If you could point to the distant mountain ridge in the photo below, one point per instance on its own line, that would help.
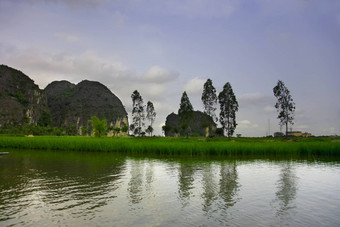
(73, 105)
(21, 101)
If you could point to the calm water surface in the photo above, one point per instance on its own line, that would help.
(104, 189)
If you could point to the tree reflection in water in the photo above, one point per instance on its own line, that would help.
(210, 186)
(135, 188)
(286, 192)
(228, 184)
(186, 173)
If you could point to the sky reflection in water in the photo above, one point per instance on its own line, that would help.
(75, 188)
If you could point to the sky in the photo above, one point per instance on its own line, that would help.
(162, 48)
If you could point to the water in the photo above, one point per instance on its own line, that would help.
(46, 188)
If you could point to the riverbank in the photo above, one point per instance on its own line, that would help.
(179, 146)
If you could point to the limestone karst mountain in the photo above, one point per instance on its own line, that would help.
(73, 105)
(21, 100)
(67, 104)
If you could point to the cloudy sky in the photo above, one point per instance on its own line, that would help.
(162, 48)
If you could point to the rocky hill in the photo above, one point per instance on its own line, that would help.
(21, 100)
(73, 105)
(198, 125)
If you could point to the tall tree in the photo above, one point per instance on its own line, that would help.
(209, 99)
(99, 127)
(228, 107)
(150, 115)
(138, 113)
(284, 105)
(185, 113)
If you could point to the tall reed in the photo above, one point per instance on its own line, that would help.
(177, 146)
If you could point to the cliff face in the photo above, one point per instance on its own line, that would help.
(198, 125)
(21, 101)
(73, 105)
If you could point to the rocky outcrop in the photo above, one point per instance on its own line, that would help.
(199, 124)
(73, 105)
(21, 100)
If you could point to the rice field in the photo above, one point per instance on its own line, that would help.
(179, 146)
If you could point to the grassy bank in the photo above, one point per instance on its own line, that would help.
(179, 146)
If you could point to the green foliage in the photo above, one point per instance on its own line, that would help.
(138, 113)
(185, 105)
(166, 129)
(45, 119)
(85, 131)
(116, 131)
(228, 107)
(284, 105)
(71, 130)
(20, 97)
(125, 128)
(150, 115)
(149, 130)
(185, 114)
(209, 99)
(180, 146)
(99, 127)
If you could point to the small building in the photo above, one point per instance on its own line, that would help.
(295, 133)
(306, 134)
(278, 134)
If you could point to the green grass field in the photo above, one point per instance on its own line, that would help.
(180, 146)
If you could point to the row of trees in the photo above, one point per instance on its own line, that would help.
(228, 107)
(138, 115)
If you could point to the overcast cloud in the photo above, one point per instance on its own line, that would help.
(162, 48)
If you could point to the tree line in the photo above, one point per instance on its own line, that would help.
(228, 106)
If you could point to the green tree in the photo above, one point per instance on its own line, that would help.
(166, 129)
(149, 130)
(99, 127)
(85, 130)
(138, 113)
(209, 99)
(45, 119)
(125, 128)
(150, 115)
(228, 107)
(185, 114)
(117, 131)
(284, 105)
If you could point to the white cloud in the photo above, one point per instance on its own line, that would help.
(246, 124)
(157, 74)
(194, 86)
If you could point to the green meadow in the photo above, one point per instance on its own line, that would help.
(329, 146)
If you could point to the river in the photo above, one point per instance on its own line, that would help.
(59, 188)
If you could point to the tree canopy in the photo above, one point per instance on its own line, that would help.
(185, 113)
(228, 107)
(209, 99)
(138, 113)
(99, 127)
(284, 105)
(150, 115)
